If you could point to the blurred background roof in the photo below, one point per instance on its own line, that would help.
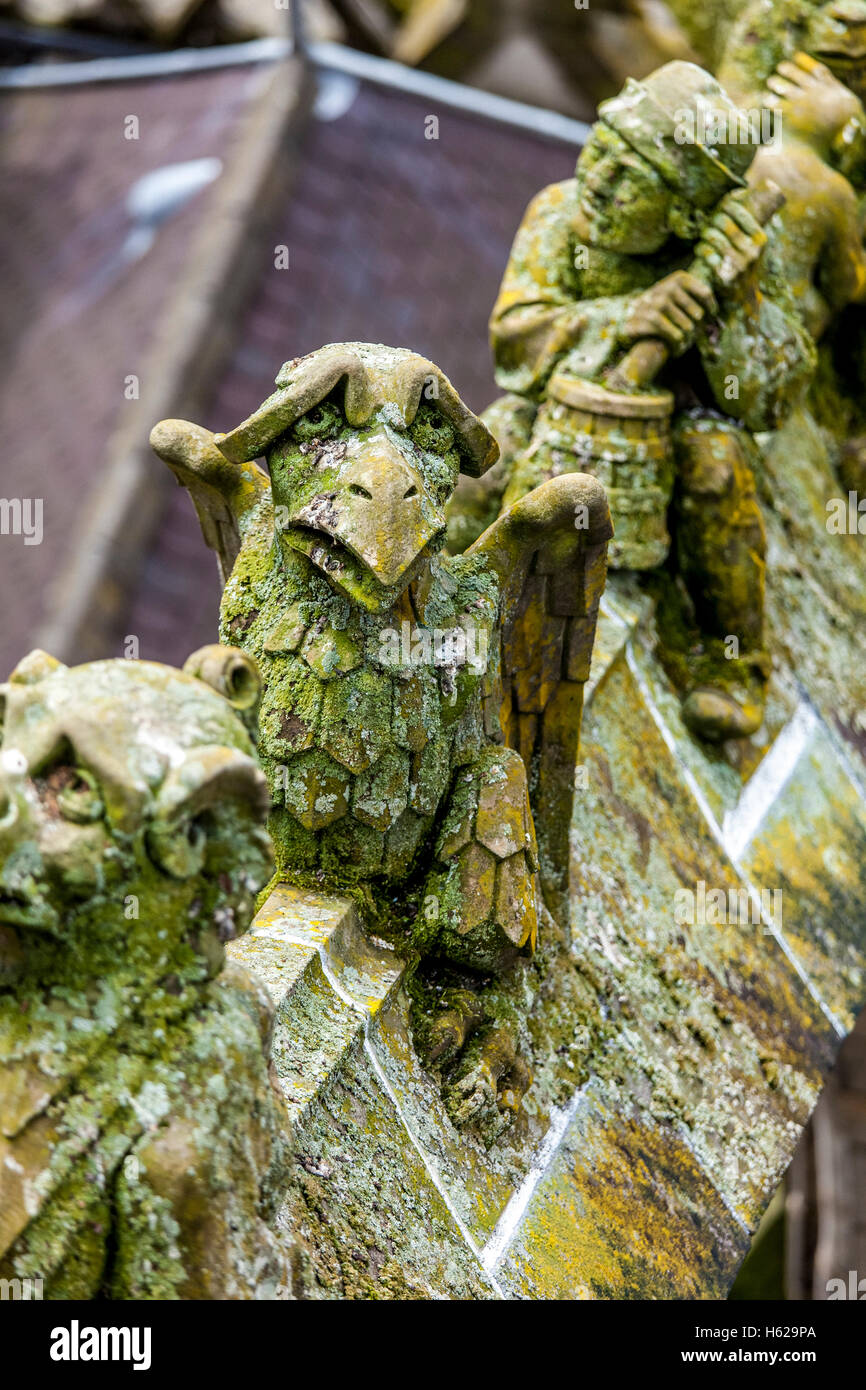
(561, 54)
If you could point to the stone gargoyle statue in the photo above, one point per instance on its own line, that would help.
(421, 714)
(646, 333)
(804, 63)
(143, 1143)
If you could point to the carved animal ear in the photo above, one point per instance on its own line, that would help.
(34, 668)
(208, 777)
(375, 376)
(230, 672)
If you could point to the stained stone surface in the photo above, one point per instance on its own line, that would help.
(675, 1064)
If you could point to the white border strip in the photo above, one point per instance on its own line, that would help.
(430, 1165)
(138, 65)
(774, 772)
(547, 1151)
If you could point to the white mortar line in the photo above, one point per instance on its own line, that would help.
(508, 1222)
(671, 745)
(843, 753)
(741, 824)
(427, 1160)
(610, 609)
(429, 1163)
(685, 1136)
(770, 928)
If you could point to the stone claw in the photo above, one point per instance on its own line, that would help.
(514, 1087)
(474, 1098)
(489, 1093)
(451, 1028)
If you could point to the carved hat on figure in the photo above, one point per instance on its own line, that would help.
(681, 120)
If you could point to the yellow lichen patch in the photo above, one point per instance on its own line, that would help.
(625, 1212)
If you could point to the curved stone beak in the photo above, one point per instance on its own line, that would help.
(382, 511)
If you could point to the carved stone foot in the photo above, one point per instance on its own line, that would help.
(490, 1085)
(716, 715)
(451, 1029)
(731, 706)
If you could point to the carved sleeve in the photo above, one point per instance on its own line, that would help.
(540, 314)
(757, 354)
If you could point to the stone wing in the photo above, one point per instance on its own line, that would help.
(222, 492)
(550, 551)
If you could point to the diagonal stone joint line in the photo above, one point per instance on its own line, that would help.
(733, 837)
(759, 795)
(508, 1223)
(685, 1135)
(770, 928)
(427, 1159)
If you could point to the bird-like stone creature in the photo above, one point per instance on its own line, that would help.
(421, 714)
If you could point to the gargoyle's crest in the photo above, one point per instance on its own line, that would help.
(377, 378)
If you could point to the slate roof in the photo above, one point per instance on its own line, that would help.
(392, 238)
(77, 317)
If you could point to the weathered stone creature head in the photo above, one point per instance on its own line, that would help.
(744, 40)
(836, 33)
(131, 810)
(662, 153)
(143, 1143)
(364, 445)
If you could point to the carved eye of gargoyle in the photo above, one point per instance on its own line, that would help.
(178, 849)
(76, 792)
(322, 422)
(209, 778)
(67, 789)
(432, 432)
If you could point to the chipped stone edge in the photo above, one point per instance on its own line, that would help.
(316, 941)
